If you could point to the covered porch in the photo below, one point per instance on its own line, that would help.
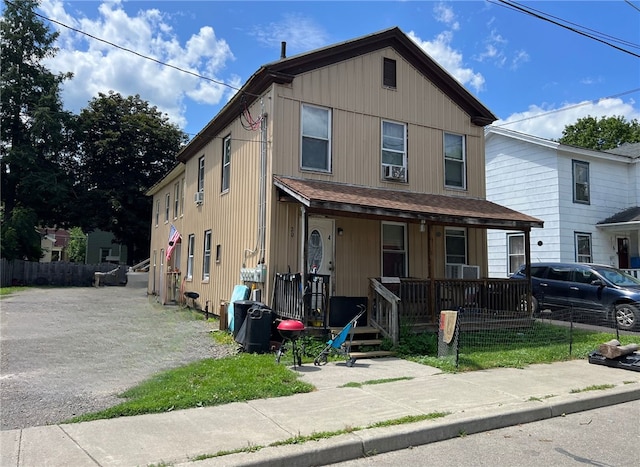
(433, 281)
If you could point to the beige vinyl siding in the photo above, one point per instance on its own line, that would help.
(353, 91)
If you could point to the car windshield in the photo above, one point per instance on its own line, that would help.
(618, 277)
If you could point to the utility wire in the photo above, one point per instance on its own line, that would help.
(632, 5)
(569, 107)
(532, 12)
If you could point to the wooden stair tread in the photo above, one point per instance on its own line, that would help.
(366, 342)
(375, 353)
(358, 330)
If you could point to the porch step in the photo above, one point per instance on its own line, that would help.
(372, 354)
(369, 342)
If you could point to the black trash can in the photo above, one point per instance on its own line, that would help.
(258, 329)
(240, 310)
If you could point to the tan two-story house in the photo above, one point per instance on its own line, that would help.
(341, 172)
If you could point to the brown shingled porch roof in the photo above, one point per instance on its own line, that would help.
(343, 199)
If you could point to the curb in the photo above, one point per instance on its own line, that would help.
(379, 440)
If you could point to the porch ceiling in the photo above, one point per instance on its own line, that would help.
(346, 199)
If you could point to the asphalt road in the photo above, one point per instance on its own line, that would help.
(70, 351)
(605, 437)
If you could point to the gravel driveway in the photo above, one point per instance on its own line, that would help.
(70, 351)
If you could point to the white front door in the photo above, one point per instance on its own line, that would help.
(320, 247)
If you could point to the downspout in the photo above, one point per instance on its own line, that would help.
(262, 221)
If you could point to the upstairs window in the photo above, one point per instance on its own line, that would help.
(454, 161)
(226, 162)
(157, 212)
(316, 138)
(581, 182)
(389, 73)
(167, 205)
(394, 151)
(176, 200)
(201, 174)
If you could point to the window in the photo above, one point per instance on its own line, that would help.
(190, 251)
(206, 257)
(583, 247)
(226, 162)
(515, 245)
(394, 154)
(157, 212)
(218, 253)
(176, 200)
(104, 254)
(455, 241)
(167, 205)
(394, 250)
(182, 197)
(580, 182)
(316, 138)
(454, 161)
(201, 174)
(389, 73)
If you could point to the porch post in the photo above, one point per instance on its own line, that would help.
(304, 217)
(527, 267)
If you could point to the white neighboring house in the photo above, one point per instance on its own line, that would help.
(589, 201)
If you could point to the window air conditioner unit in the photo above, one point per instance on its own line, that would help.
(462, 271)
(395, 172)
(198, 198)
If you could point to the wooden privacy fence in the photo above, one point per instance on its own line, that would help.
(58, 273)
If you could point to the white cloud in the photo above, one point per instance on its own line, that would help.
(451, 60)
(547, 121)
(101, 67)
(299, 32)
(445, 14)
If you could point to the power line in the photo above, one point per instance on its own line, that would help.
(569, 107)
(545, 17)
(632, 5)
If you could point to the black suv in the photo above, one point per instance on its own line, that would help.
(585, 287)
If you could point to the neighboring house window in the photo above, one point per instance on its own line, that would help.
(580, 182)
(394, 250)
(167, 205)
(226, 162)
(176, 200)
(394, 150)
(455, 241)
(316, 138)
(157, 212)
(182, 197)
(389, 73)
(206, 257)
(104, 253)
(583, 247)
(201, 174)
(515, 245)
(454, 161)
(190, 251)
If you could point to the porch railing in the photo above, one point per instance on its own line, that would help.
(418, 302)
(634, 272)
(304, 300)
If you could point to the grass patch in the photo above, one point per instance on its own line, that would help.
(206, 383)
(9, 290)
(595, 387)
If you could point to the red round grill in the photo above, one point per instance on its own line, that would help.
(290, 328)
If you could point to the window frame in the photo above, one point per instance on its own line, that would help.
(201, 173)
(403, 251)
(327, 168)
(461, 162)
(584, 235)
(191, 243)
(511, 255)
(389, 75)
(167, 207)
(575, 165)
(176, 201)
(392, 151)
(157, 212)
(206, 255)
(448, 234)
(182, 194)
(225, 179)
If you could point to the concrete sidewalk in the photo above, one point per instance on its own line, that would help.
(475, 402)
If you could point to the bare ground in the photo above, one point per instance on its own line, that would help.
(71, 351)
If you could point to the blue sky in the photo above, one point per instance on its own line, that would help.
(535, 76)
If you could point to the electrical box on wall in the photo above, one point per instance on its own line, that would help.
(257, 274)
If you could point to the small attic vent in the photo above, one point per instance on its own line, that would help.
(389, 73)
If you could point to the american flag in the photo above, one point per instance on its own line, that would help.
(174, 236)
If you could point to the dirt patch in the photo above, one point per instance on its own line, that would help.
(71, 351)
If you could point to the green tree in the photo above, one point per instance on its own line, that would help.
(125, 146)
(20, 239)
(603, 134)
(77, 247)
(34, 134)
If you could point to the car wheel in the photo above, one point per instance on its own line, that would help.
(626, 316)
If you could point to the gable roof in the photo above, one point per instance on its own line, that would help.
(331, 197)
(285, 70)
